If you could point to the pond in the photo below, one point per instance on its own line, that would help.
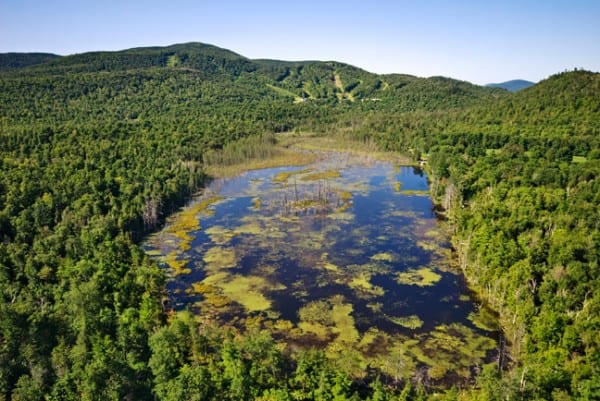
(346, 255)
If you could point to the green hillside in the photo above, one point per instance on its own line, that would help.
(98, 149)
(21, 60)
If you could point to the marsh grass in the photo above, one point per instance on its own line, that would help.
(283, 157)
(339, 142)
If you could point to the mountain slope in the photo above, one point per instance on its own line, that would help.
(294, 81)
(20, 60)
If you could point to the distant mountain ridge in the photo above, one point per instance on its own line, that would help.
(514, 85)
(21, 60)
(296, 81)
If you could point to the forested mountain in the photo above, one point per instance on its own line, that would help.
(514, 85)
(20, 60)
(98, 148)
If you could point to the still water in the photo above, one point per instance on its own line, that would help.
(345, 254)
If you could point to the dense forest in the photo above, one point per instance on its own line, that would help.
(97, 149)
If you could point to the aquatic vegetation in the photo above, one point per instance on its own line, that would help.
(344, 323)
(330, 266)
(284, 176)
(247, 291)
(186, 221)
(316, 312)
(252, 228)
(331, 316)
(321, 175)
(410, 322)
(397, 361)
(217, 258)
(219, 234)
(375, 306)
(428, 245)
(318, 329)
(414, 192)
(484, 319)
(464, 298)
(361, 283)
(178, 266)
(320, 256)
(153, 253)
(345, 196)
(384, 257)
(423, 276)
(343, 216)
(453, 348)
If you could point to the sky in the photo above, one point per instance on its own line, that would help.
(477, 41)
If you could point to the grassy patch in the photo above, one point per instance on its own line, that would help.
(283, 158)
(422, 277)
(285, 92)
(579, 159)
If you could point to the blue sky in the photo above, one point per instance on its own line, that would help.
(478, 41)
